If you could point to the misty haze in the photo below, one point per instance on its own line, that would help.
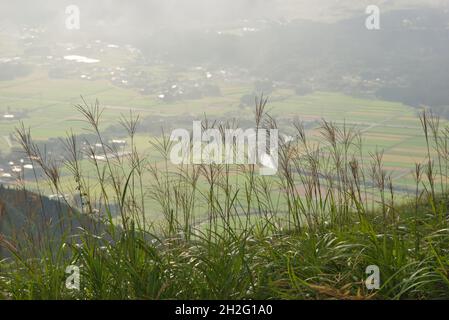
(219, 149)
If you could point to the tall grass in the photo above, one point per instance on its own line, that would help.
(224, 232)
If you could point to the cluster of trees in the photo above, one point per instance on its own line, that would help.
(407, 57)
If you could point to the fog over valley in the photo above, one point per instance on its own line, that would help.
(224, 149)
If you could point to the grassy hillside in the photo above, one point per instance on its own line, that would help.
(309, 232)
(31, 224)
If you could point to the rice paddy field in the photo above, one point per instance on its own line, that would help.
(49, 105)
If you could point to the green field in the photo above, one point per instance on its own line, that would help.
(50, 112)
(48, 105)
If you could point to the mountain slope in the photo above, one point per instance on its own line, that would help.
(27, 218)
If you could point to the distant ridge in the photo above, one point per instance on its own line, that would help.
(26, 217)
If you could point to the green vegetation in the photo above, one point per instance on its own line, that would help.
(224, 232)
(389, 126)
